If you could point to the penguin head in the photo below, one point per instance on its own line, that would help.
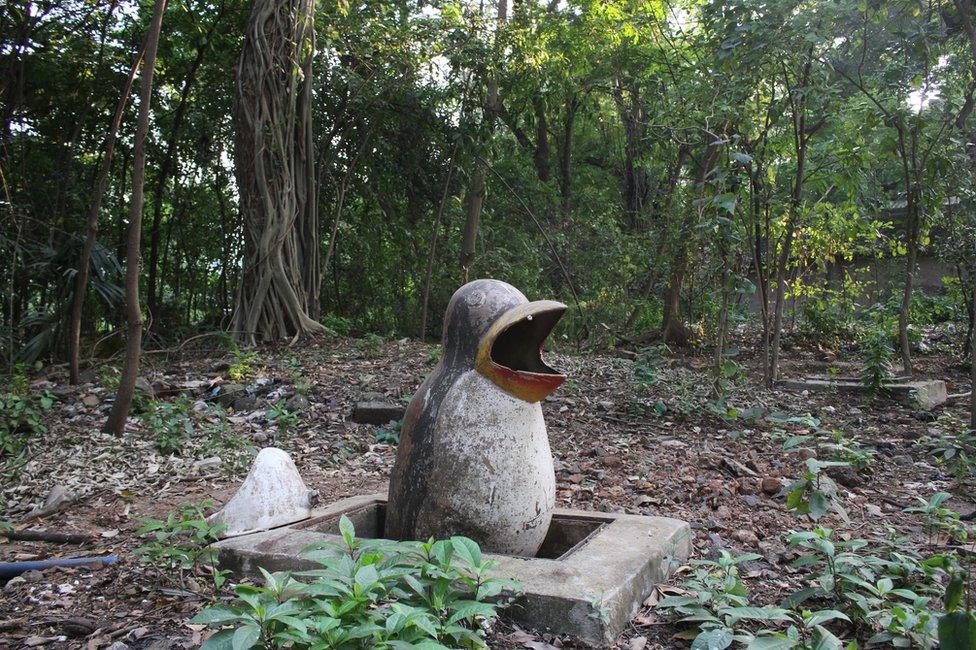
(492, 327)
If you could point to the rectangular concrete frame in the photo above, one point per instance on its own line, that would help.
(924, 394)
(591, 591)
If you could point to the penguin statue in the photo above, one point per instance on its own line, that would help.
(474, 457)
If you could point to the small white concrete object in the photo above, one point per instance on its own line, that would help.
(272, 495)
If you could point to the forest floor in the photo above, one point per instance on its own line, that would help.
(643, 435)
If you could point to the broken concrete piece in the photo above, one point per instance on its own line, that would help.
(376, 412)
(923, 394)
(273, 494)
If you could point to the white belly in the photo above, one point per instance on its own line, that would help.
(493, 475)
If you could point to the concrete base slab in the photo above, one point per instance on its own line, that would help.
(923, 394)
(590, 578)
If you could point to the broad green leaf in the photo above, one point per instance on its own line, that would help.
(245, 637)
(468, 550)
(717, 639)
(216, 615)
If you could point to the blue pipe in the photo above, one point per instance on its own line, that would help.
(10, 569)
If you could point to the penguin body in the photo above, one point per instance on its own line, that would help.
(474, 456)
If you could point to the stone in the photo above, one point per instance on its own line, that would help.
(118, 645)
(596, 571)
(297, 403)
(143, 385)
(225, 394)
(32, 576)
(205, 464)
(746, 537)
(376, 412)
(771, 485)
(747, 485)
(244, 403)
(611, 460)
(78, 626)
(804, 453)
(273, 494)
(845, 475)
(14, 583)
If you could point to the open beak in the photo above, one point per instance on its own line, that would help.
(510, 353)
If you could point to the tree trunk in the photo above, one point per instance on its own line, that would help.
(133, 345)
(911, 259)
(672, 327)
(476, 188)
(166, 168)
(432, 253)
(272, 122)
(566, 159)
(972, 360)
(91, 232)
(800, 139)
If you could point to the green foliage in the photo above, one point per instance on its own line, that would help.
(939, 519)
(878, 370)
(168, 424)
(367, 594)
(957, 451)
(890, 590)
(830, 318)
(389, 434)
(815, 493)
(21, 415)
(338, 324)
(281, 416)
(243, 366)
(434, 355)
(957, 628)
(180, 544)
(646, 366)
(887, 592)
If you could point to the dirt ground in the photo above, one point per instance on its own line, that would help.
(640, 436)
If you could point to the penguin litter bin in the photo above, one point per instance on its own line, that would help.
(474, 460)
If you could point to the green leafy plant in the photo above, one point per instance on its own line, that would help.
(815, 493)
(957, 628)
(939, 519)
(21, 414)
(180, 544)
(367, 594)
(281, 416)
(243, 366)
(434, 355)
(338, 325)
(888, 590)
(169, 425)
(956, 451)
(301, 383)
(388, 434)
(806, 631)
(878, 370)
(718, 603)
(647, 365)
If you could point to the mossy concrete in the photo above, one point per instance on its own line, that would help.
(603, 565)
(922, 394)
